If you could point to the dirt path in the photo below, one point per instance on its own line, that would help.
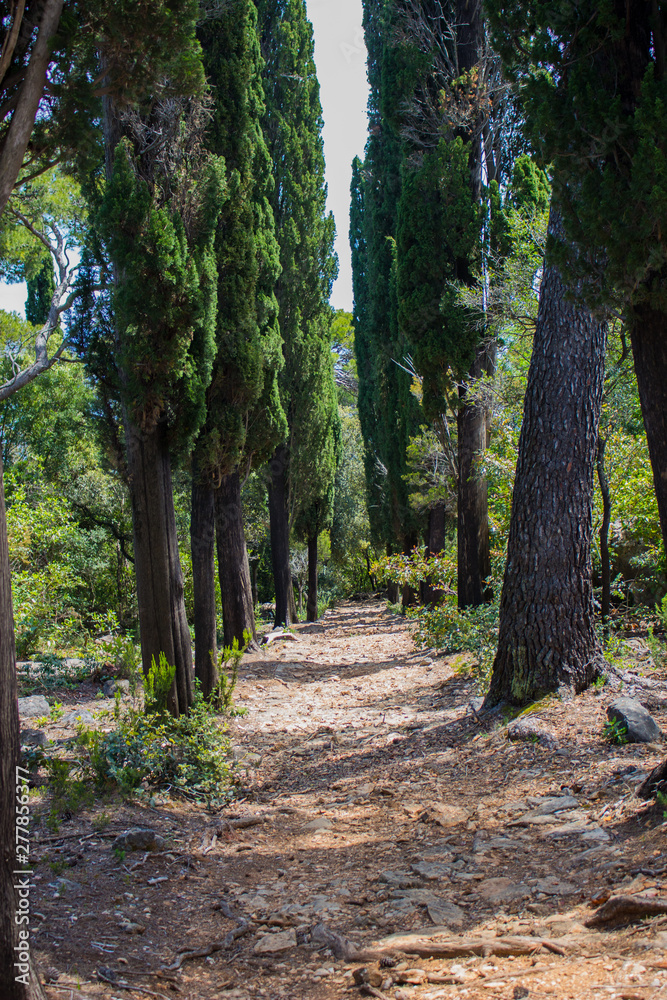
(376, 804)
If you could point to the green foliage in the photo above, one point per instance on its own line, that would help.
(222, 696)
(472, 630)
(157, 686)
(615, 732)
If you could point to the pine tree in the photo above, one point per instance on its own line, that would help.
(245, 418)
(595, 91)
(293, 128)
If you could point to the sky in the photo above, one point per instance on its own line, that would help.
(340, 57)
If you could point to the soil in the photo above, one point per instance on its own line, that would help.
(377, 802)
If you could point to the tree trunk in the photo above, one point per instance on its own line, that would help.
(648, 334)
(604, 532)
(279, 529)
(547, 632)
(473, 560)
(436, 543)
(202, 543)
(311, 607)
(238, 612)
(162, 620)
(14, 946)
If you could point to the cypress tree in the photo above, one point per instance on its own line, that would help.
(245, 418)
(157, 218)
(293, 128)
(388, 412)
(40, 292)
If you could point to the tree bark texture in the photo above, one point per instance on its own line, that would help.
(473, 557)
(10, 989)
(547, 634)
(238, 613)
(202, 543)
(648, 334)
(437, 517)
(604, 531)
(32, 89)
(311, 605)
(162, 621)
(279, 531)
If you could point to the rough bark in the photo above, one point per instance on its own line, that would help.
(162, 621)
(279, 531)
(437, 517)
(547, 635)
(32, 88)
(605, 561)
(648, 334)
(311, 605)
(238, 613)
(202, 543)
(9, 760)
(473, 558)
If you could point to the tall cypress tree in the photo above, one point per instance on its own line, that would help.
(40, 292)
(388, 412)
(293, 128)
(245, 418)
(157, 219)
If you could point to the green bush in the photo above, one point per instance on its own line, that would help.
(471, 630)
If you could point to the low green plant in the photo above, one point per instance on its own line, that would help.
(471, 630)
(69, 792)
(615, 732)
(57, 711)
(661, 800)
(157, 685)
(222, 695)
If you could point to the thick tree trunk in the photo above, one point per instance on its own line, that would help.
(437, 517)
(279, 528)
(604, 532)
(648, 334)
(162, 621)
(202, 542)
(474, 565)
(547, 631)
(311, 606)
(14, 946)
(238, 612)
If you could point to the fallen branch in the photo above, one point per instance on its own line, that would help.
(425, 947)
(626, 910)
(186, 956)
(133, 989)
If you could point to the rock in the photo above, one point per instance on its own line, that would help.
(501, 890)
(110, 687)
(131, 928)
(640, 725)
(33, 738)
(550, 886)
(74, 663)
(65, 887)
(431, 870)
(138, 839)
(78, 717)
(444, 815)
(474, 706)
(399, 880)
(272, 943)
(33, 707)
(555, 804)
(532, 730)
(365, 975)
(442, 911)
(322, 823)
(597, 834)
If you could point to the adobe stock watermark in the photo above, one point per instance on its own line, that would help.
(22, 874)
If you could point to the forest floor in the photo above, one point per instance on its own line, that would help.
(376, 804)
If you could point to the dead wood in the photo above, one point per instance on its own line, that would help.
(626, 910)
(185, 956)
(654, 783)
(425, 947)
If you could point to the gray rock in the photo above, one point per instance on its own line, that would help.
(551, 886)
(80, 715)
(65, 887)
(138, 839)
(110, 687)
(640, 725)
(272, 943)
(555, 804)
(431, 870)
(532, 730)
(33, 707)
(501, 890)
(74, 663)
(441, 911)
(399, 880)
(130, 927)
(33, 738)
(319, 824)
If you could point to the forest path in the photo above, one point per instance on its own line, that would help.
(376, 802)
